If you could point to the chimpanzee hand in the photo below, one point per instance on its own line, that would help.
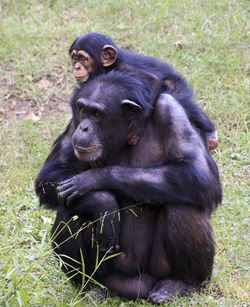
(75, 187)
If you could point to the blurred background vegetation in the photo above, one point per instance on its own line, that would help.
(207, 41)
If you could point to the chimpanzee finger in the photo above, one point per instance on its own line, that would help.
(66, 181)
(64, 194)
(71, 198)
(61, 199)
(64, 186)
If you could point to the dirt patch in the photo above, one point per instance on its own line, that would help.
(17, 103)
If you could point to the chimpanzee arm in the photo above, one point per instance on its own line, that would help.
(61, 164)
(175, 182)
(188, 175)
(180, 90)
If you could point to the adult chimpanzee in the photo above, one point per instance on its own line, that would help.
(168, 177)
(95, 53)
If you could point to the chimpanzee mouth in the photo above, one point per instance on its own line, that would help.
(88, 154)
(86, 149)
(79, 77)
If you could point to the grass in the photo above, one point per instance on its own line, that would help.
(205, 40)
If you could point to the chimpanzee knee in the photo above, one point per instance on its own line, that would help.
(186, 237)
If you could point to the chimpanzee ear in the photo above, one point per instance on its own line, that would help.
(109, 55)
(130, 108)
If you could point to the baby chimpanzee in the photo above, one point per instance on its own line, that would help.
(93, 54)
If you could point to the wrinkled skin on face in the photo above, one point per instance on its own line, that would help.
(82, 65)
(92, 141)
(85, 66)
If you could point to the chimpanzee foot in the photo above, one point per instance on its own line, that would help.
(212, 140)
(166, 289)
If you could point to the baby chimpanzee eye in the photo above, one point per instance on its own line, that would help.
(74, 59)
(83, 59)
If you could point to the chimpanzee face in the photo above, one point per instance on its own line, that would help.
(85, 66)
(88, 145)
(104, 119)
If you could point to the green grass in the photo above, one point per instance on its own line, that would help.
(34, 39)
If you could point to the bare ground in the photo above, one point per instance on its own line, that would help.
(16, 103)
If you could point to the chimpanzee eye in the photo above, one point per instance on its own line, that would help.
(83, 59)
(82, 111)
(97, 115)
(74, 59)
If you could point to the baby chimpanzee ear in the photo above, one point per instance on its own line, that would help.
(131, 110)
(109, 55)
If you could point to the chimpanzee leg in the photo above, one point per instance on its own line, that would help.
(73, 233)
(102, 207)
(70, 236)
(185, 236)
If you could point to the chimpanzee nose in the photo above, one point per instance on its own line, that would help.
(77, 66)
(85, 127)
(83, 135)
